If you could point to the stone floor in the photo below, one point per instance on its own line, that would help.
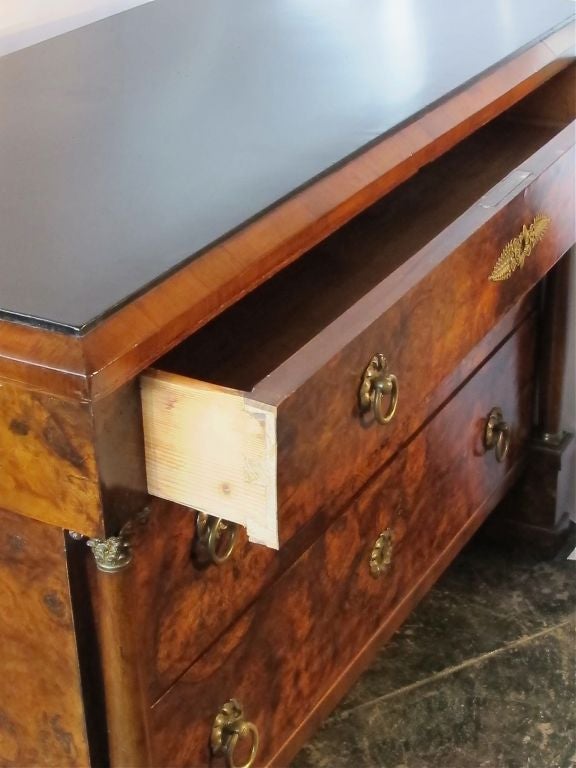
(481, 676)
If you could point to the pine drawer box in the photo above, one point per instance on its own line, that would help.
(266, 363)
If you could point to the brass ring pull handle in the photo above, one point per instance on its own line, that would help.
(503, 443)
(381, 555)
(379, 390)
(497, 435)
(229, 728)
(216, 537)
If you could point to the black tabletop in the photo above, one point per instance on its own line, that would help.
(128, 146)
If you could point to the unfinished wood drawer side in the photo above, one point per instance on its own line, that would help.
(213, 449)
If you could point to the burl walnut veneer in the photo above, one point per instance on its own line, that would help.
(282, 322)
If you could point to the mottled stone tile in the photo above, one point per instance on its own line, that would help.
(490, 597)
(511, 709)
(510, 579)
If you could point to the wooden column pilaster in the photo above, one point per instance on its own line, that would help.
(538, 510)
(126, 705)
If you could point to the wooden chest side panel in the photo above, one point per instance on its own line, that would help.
(47, 464)
(41, 714)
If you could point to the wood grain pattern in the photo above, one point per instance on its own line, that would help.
(285, 653)
(43, 360)
(554, 103)
(41, 714)
(48, 467)
(132, 338)
(359, 257)
(350, 673)
(211, 448)
(538, 510)
(120, 649)
(424, 335)
(119, 450)
(183, 182)
(176, 611)
(424, 316)
(71, 449)
(165, 315)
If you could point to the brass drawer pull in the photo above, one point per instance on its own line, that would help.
(497, 434)
(216, 537)
(229, 727)
(515, 253)
(377, 387)
(381, 555)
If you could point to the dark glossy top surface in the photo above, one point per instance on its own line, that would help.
(131, 144)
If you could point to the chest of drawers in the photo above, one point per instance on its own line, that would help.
(221, 494)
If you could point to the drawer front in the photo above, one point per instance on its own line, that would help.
(186, 600)
(325, 447)
(298, 442)
(284, 654)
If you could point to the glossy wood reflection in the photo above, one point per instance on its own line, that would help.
(176, 609)
(425, 314)
(133, 337)
(390, 252)
(49, 469)
(132, 179)
(41, 708)
(328, 605)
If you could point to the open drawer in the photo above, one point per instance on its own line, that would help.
(290, 400)
(287, 654)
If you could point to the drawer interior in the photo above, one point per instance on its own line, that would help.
(248, 341)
